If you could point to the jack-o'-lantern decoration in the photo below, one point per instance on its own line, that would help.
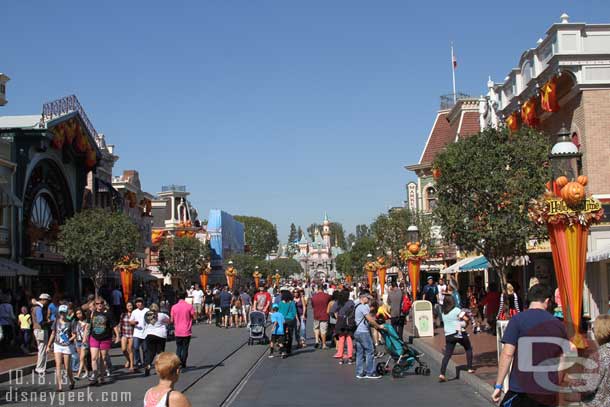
(573, 193)
(583, 179)
(230, 273)
(413, 247)
(562, 181)
(157, 237)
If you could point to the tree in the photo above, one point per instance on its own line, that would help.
(337, 234)
(311, 230)
(182, 257)
(351, 239)
(246, 264)
(293, 238)
(286, 267)
(95, 239)
(484, 188)
(300, 232)
(261, 235)
(343, 263)
(362, 231)
(358, 254)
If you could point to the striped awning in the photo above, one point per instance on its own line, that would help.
(9, 268)
(7, 198)
(478, 264)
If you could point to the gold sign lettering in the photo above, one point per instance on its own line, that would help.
(559, 207)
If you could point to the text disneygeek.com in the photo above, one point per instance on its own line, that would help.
(51, 398)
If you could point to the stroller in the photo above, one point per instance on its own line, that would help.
(256, 328)
(404, 357)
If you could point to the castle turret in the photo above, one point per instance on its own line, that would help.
(326, 230)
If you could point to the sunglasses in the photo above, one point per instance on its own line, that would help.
(99, 303)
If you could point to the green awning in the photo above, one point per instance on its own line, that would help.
(478, 264)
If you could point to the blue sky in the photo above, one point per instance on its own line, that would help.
(280, 109)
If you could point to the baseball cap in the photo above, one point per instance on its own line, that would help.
(275, 306)
(62, 308)
(429, 278)
(44, 296)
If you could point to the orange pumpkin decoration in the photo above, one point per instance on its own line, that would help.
(413, 248)
(583, 180)
(562, 181)
(573, 193)
(436, 173)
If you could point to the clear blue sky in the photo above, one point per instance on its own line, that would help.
(283, 109)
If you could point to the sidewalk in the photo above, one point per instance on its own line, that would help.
(24, 363)
(485, 358)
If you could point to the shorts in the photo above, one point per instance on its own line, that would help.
(209, 307)
(198, 307)
(277, 338)
(83, 345)
(105, 344)
(225, 311)
(321, 325)
(234, 311)
(63, 349)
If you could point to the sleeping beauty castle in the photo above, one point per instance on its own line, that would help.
(317, 257)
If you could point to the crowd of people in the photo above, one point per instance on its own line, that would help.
(351, 319)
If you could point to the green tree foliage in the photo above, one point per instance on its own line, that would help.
(362, 231)
(245, 264)
(351, 238)
(300, 232)
(311, 230)
(182, 257)
(286, 267)
(485, 185)
(344, 264)
(95, 239)
(337, 234)
(292, 247)
(359, 252)
(261, 235)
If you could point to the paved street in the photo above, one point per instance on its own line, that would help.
(225, 372)
(312, 378)
(219, 361)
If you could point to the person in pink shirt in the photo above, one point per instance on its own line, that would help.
(182, 316)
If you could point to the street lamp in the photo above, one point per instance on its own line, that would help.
(413, 234)
(565, 157)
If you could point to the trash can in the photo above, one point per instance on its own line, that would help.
(423, 318)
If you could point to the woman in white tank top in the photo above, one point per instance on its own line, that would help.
(163, 394)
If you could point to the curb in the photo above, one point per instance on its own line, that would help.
(481, 387)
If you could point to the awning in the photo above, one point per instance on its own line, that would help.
(7, 198)
(10, 268)
(455, 268)
(478, 264)
(144, 275)
(601, 254)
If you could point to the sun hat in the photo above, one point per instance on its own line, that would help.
(44, 296)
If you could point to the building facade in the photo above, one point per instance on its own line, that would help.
(565, 81)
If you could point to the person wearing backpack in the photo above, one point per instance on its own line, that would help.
(365, 351)
(344, 313)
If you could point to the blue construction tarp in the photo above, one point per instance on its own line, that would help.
(226, 236)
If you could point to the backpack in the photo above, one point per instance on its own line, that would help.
(350, 319)
(405, 305)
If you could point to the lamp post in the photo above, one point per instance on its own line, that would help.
(568, 214)
(413, 255)
(257, 277)
(371, 268)
(230, 274)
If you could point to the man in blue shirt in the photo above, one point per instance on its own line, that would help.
(225, 305)
(365, 351)
(277, 330)
(538, 339)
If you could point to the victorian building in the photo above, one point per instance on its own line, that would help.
(564, 82)
(456, 119)
(317, 257)
(48, 160)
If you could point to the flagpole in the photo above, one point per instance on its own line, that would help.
(453, 74)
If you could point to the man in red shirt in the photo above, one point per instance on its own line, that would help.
(182, 316)
(262, 300)
(319, 302)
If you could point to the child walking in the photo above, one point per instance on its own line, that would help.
(277, 331)
(25, 325)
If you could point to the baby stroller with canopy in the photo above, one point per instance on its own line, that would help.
(403, 357)
(256, 328)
